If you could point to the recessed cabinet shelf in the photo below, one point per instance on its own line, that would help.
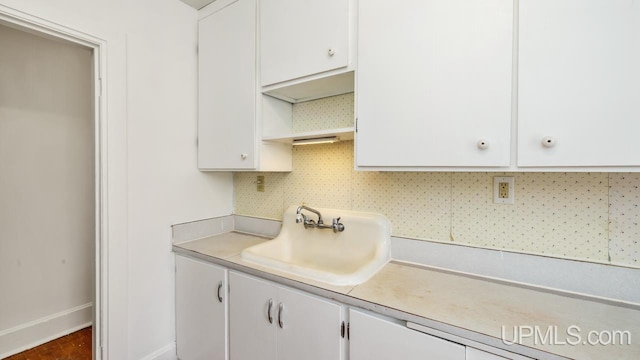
(342, 133)
(315, 87)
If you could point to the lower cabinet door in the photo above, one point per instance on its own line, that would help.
(252, 318)
(373, 338)
(309, 328)
(201, 310)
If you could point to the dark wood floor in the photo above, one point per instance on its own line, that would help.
(75, 346)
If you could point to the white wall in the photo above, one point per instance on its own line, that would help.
(153, 179)
(46, 187)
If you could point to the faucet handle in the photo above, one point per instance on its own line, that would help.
(302, 218)
(337, 226)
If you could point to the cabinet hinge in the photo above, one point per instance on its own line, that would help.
(342, 329)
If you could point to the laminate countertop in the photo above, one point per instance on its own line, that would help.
(471, 307)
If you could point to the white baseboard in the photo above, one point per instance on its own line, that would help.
(167, 352)
(40, 331)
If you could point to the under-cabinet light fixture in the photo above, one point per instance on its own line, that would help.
(321, 140)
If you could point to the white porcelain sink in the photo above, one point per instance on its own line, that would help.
(344, 258)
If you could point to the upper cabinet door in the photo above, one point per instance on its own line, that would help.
(579, 83)
(302, 37)
(434, 83)
(227, 88)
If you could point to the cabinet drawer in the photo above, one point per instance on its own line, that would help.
(372, 338)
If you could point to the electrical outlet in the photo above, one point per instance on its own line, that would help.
(260, 183)
(503, 190)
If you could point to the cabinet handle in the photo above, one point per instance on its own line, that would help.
(243, 156)
(348, 331)
(219, 288)
(269, 317)
(280, 308)
(548, 141)
(342, 330)
(483, 144)
(331, 52)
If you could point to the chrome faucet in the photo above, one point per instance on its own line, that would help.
(336, 225)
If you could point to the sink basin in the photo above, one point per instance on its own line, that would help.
(344, 258)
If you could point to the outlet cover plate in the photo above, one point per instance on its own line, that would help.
(509, 180)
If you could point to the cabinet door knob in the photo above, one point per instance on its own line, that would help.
(331, 52)
(269, 317)
(219, 288)
(548, 141)
(280, 308)
(483, 144)
(243, 156)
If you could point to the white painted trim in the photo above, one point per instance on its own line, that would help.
(28, 335)
(11, 16)
(44, 319)
(167, 352)
(46, 340)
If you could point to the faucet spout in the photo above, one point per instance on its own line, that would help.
(300, 217)
(336, 226)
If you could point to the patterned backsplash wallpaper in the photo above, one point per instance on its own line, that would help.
(585, 216)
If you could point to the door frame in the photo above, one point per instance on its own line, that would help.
(25, 22)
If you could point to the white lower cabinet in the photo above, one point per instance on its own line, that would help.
(201, 310)
(372, 338)
(226, 315)
(269, 321)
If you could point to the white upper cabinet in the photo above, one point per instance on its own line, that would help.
(230, 107)
(579, 76)
(227, 88)
(302, 37)
(434, 83)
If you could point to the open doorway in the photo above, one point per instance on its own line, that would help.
(49, 188)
